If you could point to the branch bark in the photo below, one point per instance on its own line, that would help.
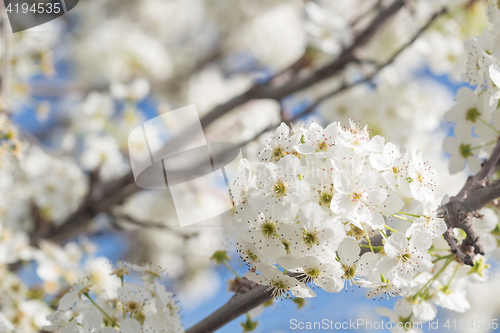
(477, 192)
(235, 307)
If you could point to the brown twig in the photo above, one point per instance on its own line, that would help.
(365, 14)
(369, 78)
(346, 86)
(148, 224)
(236, 306)
(477, 192)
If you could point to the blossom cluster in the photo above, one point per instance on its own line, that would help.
(11, 144)
(85, 131)
(130, 307)
(332, 207)
(99, 292)
(476, 113)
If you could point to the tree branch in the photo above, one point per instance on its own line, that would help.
(477, 192)
(235, 307)
(148, 224)
(277, 93)
(376, 71)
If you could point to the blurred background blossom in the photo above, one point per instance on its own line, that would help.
(73, 89)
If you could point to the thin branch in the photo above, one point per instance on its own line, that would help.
(211, 57)
(235, 307)
(148, 224)
(369, 78)
(362, 16)
(277, 93)
(345, 87)
(102, 199)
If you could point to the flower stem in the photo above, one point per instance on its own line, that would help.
(483, 145)
(451, 278)
(428, 284)
(230, 269)
(389, 228)
(369, 242)
(100, 309)
(442, 257)
(401, 218)
(414, 215)
(489, 125)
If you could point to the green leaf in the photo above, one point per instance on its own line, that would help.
(299, 301)
(249, 325)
